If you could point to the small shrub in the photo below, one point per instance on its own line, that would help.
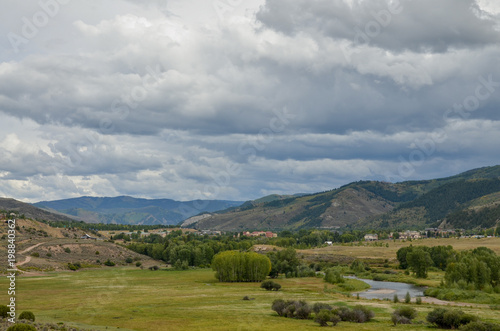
(303, 312)
(395, 299)
(109, 263)
(292, 309)
(269, 285)
(418, 300)
(449, 319)
(436, 316)
(73, 267)
(324, 316)
(49, 255)
(129, 260)
(334, 319)
(452, 319)
(480, 326)
(67, 250)
(407, 297)
(397, 319)
(4, 311)
(138, 264)
(97, 253)
(38, 255)
(403, 315)
(279, 306)
(154, 268)
(407, 312)
(359, 314)
(21, 327)
(318, 306)
(334, 276)
(27, 315)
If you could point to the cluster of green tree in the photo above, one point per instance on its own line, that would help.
(309, 238)
(287, 263)
(104, 227)
(391, 194)
(334, 275)
(279, 202)
(486, 217)
(311, 215)
(448, 197)
(420, 258)
(234, 266)
(475, 269)
(189, 250)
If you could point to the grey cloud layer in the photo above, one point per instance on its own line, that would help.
(422, 26)
(136, 100)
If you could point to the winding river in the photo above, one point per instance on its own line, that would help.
(386, 290)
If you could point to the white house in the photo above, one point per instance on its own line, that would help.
(371, 237)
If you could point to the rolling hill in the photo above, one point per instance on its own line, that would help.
(129, 210)
(370, 204)
(31, 211)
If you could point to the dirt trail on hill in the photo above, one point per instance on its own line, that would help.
(30, 248)
(28, 258)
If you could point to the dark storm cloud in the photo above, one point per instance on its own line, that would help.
(422, 26)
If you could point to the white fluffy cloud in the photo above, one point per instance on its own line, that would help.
(236, 99)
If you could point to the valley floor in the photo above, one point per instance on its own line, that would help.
(134, 299)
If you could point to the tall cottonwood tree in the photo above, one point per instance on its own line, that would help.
(234, 266)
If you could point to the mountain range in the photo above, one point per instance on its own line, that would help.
(468, 200)
(129, 210)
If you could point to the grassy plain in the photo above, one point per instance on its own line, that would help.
(379, 251)
(134, 299)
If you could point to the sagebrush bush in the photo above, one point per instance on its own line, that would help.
(279, 306)
(269, 285)
(318, 306)
(358, 314)
(4, 311)
(21, 327)
(449, 319)
(292, 308)
(324, 316)
(109, 263)
(407, 312)
(480, 326)
(403, 315)
(27, 315)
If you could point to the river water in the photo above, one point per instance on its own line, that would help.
(386, 290)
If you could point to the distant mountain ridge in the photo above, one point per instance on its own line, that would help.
(129, 210)
(373, 205)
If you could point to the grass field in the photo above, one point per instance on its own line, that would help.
(370, 251)
(134, 299)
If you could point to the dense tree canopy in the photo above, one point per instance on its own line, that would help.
(479, 267)
(234, 266)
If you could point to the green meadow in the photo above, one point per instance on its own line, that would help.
(135, 299)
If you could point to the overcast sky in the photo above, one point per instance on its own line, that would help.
(237, 99)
